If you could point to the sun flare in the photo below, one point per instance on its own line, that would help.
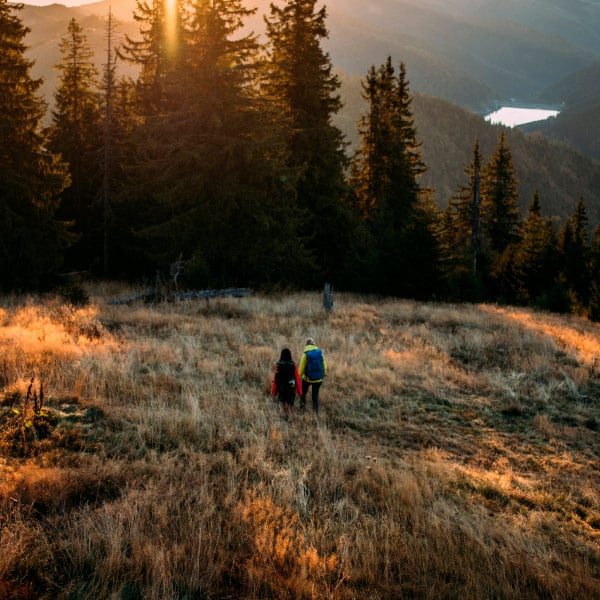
(171, 29)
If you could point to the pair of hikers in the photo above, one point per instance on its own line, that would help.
(290, 379)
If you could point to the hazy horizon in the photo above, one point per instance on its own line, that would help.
(63, 2)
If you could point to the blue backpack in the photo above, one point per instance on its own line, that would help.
(314, 365)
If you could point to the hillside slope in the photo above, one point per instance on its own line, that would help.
(561, 173)
(579, 120)
(455, 455)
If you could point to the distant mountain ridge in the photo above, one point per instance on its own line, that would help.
(466, 51)
(504, 54)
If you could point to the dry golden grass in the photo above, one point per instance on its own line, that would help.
(456, 454)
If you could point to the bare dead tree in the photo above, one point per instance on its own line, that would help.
(177, 268)
(109, 86)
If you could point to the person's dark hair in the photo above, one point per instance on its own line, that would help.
(285, 354)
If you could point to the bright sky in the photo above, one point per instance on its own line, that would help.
(65, 2)
(511, 116)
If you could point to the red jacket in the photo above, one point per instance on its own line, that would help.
(296, 375)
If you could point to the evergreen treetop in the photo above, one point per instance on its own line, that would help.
(31, 178)
(302, 86)
(500, 199)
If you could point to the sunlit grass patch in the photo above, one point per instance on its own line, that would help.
(281, 555)
(53, 329)
(576, 336)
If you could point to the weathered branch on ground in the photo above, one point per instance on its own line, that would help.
(206, 294)
(189, 295)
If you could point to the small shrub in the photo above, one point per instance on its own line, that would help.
(28, 424)
(73, 292)
(514, 410)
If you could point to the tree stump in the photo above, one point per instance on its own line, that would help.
(328, 297)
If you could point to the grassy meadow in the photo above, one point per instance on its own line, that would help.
(456, 454)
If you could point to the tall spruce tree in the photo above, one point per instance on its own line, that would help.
(500, 200)
(31, 178)
(371, 169)
(156, 52)
(500, 218)
(215, 181)
(109, 140)
(124, 191)
(594, 301)
(574, 252)
(535, 260)
(462, 233)
(119, 116)
(76, 134)
(385, 173)
(301, 82)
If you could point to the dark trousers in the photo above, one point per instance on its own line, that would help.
(316, 386)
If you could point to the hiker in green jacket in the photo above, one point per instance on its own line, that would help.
(312, 369)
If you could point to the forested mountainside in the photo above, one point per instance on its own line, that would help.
(579, 91)
(559, 172)
(579, 120)
(577, 127)
(364, 33)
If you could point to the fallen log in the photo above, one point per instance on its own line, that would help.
(206, 294)
(150, 297)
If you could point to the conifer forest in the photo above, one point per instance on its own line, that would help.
(220, 165)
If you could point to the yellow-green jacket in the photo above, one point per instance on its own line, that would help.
(303, 362)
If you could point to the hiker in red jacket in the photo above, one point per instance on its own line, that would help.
(286, 383)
